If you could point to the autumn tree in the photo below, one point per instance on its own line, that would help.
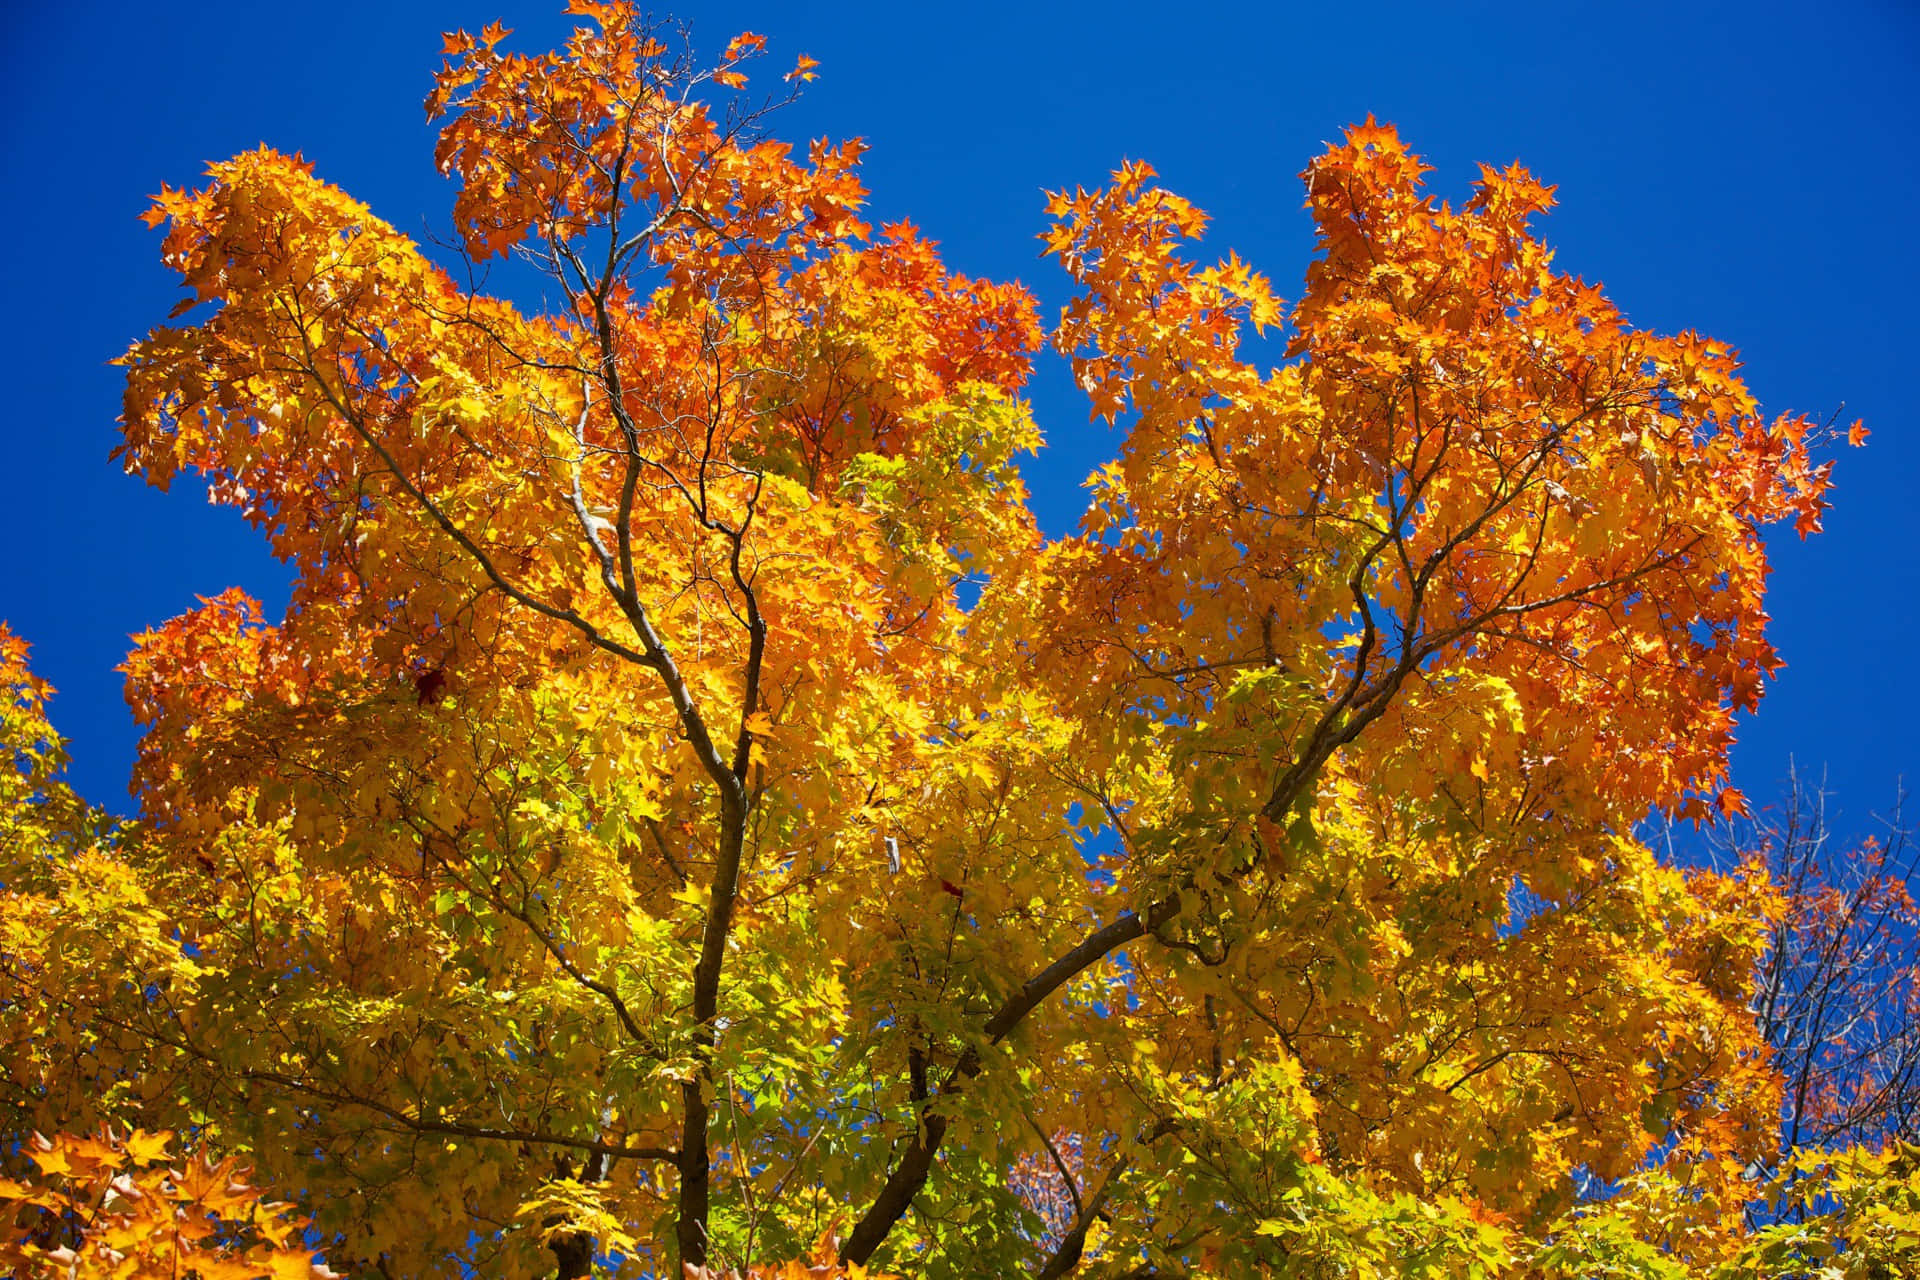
(688, 809)
(1838, 994)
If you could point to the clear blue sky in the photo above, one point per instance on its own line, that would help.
(1748, 170)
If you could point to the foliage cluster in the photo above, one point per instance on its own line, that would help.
(689, 811)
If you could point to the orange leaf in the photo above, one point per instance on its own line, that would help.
(148, 1148)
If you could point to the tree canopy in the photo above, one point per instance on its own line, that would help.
(690, 814)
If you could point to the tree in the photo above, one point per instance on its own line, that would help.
(688, 808)
(1837, 998)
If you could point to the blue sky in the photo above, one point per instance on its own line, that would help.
(1746, 170)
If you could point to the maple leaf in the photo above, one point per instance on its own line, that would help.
(744, 45)
(144, 1148)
